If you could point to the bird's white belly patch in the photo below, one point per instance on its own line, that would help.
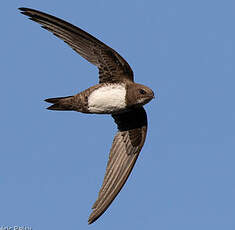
(107, 99)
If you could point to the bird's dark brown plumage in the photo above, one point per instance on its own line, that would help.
(112, 67)
(124, 152)
(132, 123)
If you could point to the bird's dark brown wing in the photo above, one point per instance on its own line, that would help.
(124, 152)
(112, 67)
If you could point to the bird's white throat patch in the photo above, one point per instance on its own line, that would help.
(107, 99)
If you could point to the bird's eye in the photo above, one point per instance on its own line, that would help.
(143, 92)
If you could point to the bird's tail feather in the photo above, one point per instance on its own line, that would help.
(61, 103)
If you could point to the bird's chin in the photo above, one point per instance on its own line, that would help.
(148, 100)
(144, 102)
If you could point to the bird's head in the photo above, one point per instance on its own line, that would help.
(139, 94)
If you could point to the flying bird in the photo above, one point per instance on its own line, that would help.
(116, 94)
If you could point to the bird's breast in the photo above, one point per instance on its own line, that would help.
(107, 99)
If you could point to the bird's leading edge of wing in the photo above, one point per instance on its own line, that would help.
(112, 67)
(127, 144)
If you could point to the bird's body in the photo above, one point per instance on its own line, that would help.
(116, 94)
(104, 98)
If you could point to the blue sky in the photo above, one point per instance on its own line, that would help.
(53, 163)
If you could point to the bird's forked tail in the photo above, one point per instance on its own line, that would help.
(61, 103)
